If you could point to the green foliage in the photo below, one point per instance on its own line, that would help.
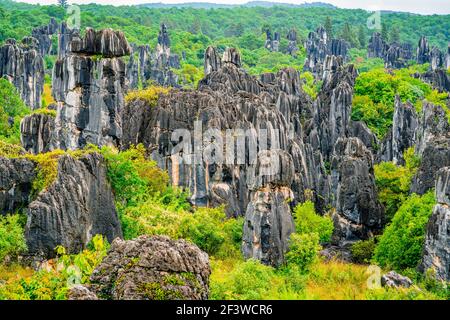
(53, 282)
(12, 240)
(310, 86)
(401, 245)
(12, 110)
(362, 251)
(303, 250)
(149, 95)
(393, 182)
(375, 93)
(307, 221)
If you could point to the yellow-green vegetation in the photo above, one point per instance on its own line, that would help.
(310, 85)
(54, 278)
(149, 95)
(308, 221)
(46, 170)
(8, 150)
(46, 111)
(393, 181)
(47, 97)
(189, 74)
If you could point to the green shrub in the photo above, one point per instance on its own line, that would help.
(393, 182)
(362, 251)
(53, 282)
(12, 239)
(401, 245)
(8, 150)
(307, 221)
(303, 250)
(11, 107)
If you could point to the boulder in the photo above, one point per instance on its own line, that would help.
(152, 268)
(395, 280)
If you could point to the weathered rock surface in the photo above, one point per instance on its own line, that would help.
(423, 51)
(403, 133)
(377, 46)
(36, 132)
(90, 91)
(436, 253)
(79, 292)
(44, 35)
(268, 220)
(272, 41)
(395, 280)
(316, 50)
(76, 207)
(438, 78)
(16, 181)
(151, 268)
(359, 214)
(23, 66)
(292, 46)
(213, 61)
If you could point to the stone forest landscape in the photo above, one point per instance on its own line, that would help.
(201, 151)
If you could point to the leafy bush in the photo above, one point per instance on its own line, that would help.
(12, 110)
(303, 250)
(149, 95)
(375, 93)
(8, 150)
(393, 182)
(12, 239)
(46, 171)
(53, 282)
(310, 86)
(362, 251)
(307, 221)
(401, 245)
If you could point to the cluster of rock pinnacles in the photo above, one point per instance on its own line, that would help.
(324, 156)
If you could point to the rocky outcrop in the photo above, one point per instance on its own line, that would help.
(359, 129)
(163, 61)
(76, 207)
(23, 66)
(44, 35)
(89, 85)
(36, 132)
(213, 61)
(359, 214)
(139, 66)
(436, 58)
(377, 46)
(423, 51)
(447, 58)
(149, 268)
(65, 37)
(268, 220)
(395, 280)
(403, 133)
(316, 50)
(438, 78)
(16, 182)
(292, 45)
(436, 253)
(338, 47)
(272, 42)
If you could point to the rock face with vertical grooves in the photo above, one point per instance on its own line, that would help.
(76, 207)
(404, 129)
(213, 61)
(23, 66)
(436, 253)
(151, 268)
(377, 46)
(36, 132)
(272, 41)
(292, 45)
(423, 51)
(268, 220)
(16, 181)
(359, 214)
(89, 85)
(44, 35)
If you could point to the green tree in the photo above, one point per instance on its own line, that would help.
(385, 33)
(362, 37)
(63, 3)
(395, 35)
(401, 245)
(329, 27)
(348, 35)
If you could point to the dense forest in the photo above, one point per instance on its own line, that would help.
(90, 192)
